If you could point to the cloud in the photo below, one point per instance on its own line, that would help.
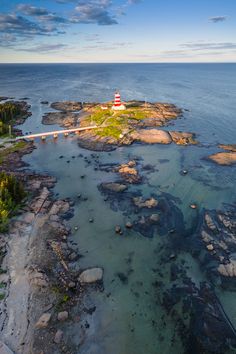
(132, 2)
(209, 46)
(53, 18)
(44, 48)
(94, 11)
(217, 19)
(19, 25)
(41, 13)
(103, 46)
(29, 10)
(65, 1)
(7, 40)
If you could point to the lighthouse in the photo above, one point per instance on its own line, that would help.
(118, 106)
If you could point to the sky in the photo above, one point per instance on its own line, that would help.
(78, 31)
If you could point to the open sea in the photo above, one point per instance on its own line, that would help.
(130, 317)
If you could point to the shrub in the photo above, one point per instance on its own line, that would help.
(11, 195)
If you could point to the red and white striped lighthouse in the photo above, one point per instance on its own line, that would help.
(117, 103)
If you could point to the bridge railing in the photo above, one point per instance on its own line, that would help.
(57, 132)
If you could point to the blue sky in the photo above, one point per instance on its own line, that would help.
(118, 31)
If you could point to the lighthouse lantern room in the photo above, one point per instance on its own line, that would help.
(118, 106)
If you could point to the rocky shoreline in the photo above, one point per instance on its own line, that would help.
(38, 281)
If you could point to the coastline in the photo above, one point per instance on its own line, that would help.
(35, 276)
(43, 245)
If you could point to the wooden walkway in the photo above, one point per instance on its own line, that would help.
(55, 133)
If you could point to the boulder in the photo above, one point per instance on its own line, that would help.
(224, 158)
(114, 187)
(228, 270)
(58, 336)
(117, 229)
(152, 136)
(129, 225)
(128, 172)
(43, 321)
(210, 222)
(154, 218)
(182, 138)
(91, 275)
(210, 247)
(206, 237)
(62, 316)
(145, 203)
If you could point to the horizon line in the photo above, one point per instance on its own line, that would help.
(135, 62)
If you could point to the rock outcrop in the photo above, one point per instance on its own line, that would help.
(91, 275)
(43, 321)
(114, 187)
(67, 106)
(152, 136)
(145, 203)
(183, 138)
(224, 158)
(128, 172)
(227, 158)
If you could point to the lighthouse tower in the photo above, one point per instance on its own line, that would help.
(118, 106)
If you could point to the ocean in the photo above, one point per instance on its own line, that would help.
(130, 317)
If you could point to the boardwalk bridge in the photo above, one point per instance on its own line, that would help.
(55, 133)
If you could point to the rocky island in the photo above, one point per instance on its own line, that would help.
(137, 123)
(226, 158)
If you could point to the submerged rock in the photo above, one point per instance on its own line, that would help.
(229, 147)
(114, 187)
(154, 218)
(224, 158)
(145, 203)
(217, 230)
(210, 222)
(91, 275)
(129, 225)
(117, 229)
(210, 329)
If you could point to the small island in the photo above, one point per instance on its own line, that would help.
(137, 121)
(225, 158)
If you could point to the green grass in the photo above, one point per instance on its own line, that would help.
(4, 153)
(99, 116)
(111, 131)
(117, 121)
